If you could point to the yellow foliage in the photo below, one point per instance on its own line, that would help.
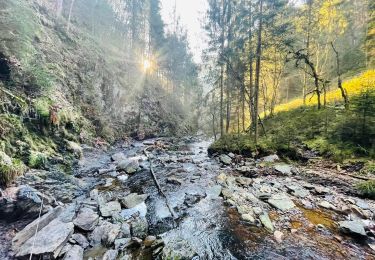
(353, 86)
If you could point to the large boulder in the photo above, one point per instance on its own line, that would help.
(117, 157)
(355, 228)
(128, 166)
(178, 249)
(225, 159)
(139, 210)
(86, 219)
(48, 242)
(105, 233)
(29, 231)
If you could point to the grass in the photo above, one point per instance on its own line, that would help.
(9, 172)
(367, 189)
(354, 86)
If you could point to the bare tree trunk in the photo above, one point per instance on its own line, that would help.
(251, 73)
(228, 108)
(339, 81)
(222, 70)
(58, 7)
(257, 71)
(70, 14)
(310, 3)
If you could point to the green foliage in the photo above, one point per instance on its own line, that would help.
(367, 189)
(37, 160)
(9, 172)
(42, 106)
(333, 132)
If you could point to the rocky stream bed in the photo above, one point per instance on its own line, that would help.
(200, 207)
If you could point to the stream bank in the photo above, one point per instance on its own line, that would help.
(226, 207)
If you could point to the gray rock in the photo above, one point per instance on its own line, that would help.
(49, 241)
(110, 208)
(327, 205)
(352, 227)
(174, 180)
(362, 204)
(149, 241)
(139, 210)
(133, 199)
(29, 231)
(281, 202)
(284, 169)
(214, 192)
(129, 166)
(248, 218)
(105, 233)
(80, 240)
(271, 158)
(69, 213)
(225, 159)
(178, 249)
(118, 157)
(321, 190)
(75, 253)
(86, 219)
(266, 222)
(244, 181)
(139, 228)
(110, 255)
(122, 243)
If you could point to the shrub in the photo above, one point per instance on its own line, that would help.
(367, 189)
(37, 160)
(8, 172)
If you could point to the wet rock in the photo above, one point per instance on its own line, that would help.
(48, 242)
(225, 159)
(133, 199)
(178, 249)
(174, 180)
(248, 171)
(110, 255)
(105, 233)
(139, 227)
(327, 205)
(86, 219)
(110, 208)
(149, 241)
(28, 201)
(281, 202)
(123, 178)
(75, 253)
(29, 231)
(80, 240)
(117, 157)
(284, 169)
(129, 166)
(266, 222)
(139, 210)
(352, 227)
(362, 204)
(214, 192)
(122, 243)
(248, 218)
(278, 235)
(271, 158)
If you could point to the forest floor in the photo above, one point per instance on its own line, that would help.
(223, 207)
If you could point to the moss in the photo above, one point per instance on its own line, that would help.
(367, 189)
(42, 106)
(37, 160)
(9, 172)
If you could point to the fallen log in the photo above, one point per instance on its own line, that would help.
(160, 190)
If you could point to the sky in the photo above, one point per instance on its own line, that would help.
(191, 13)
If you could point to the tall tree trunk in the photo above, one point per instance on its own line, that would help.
(257, 71)
(251, 73)
(58, 7)
(339, 81)
(222, 18)
(310, 3)
(70, 14)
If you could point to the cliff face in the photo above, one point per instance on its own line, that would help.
(66, 75)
